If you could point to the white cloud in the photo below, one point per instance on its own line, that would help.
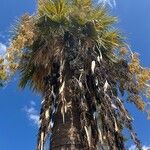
(133, 147)
(2, 49)
(32, 113)
(111, 3)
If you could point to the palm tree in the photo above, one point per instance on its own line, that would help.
(70, 52)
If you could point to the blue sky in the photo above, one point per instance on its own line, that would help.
(18, 109)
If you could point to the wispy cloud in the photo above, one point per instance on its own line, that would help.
(2, 36)
(32, 113)
(111, 3)
(133, 147)
(2, 49)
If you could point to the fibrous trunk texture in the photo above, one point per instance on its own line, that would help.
(67, 131)
(67, 134)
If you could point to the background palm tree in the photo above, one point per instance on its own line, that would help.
(70, 52)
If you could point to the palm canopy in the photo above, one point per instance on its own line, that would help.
(54, 18)
(78, 36)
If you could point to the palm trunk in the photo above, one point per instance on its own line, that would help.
(68, 135)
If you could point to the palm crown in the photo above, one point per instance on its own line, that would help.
(71, 48)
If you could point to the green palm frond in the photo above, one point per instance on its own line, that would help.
(112, 40)
(54, 10)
